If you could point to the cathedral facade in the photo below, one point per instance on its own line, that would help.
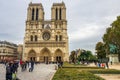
(46, 40)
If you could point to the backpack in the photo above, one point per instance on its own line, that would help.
(8, 70)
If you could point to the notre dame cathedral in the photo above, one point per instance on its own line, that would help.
(46, 40)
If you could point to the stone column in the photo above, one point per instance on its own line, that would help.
(52, 59)
(38, 58)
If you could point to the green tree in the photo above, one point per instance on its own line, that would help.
(90, 56)
(100, 50)
(86, 55)
(112, 36)
(73, 56)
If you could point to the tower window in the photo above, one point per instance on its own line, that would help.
(56, 14)
(56, 37)
(37, 12)
(31, 38)
(36, 38)
(56, 25)
(60, 14)
(42, 26)
(33, 13)
(60, 37)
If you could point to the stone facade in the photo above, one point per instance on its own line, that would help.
(8, 51)
(46, 40)
(20, 51)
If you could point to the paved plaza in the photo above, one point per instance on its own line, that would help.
(110, 76)
(46, 72)
(41, 72)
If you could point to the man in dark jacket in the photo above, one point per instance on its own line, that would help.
(9, 71)
(32, 65)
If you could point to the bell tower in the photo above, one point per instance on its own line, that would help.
(35, 12)
(58, 11)
(59, 25)
(34, 23)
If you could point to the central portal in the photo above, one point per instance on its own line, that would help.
(46, 59)
(45, 56)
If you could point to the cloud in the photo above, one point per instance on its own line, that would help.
(86, 32)
(87, 19)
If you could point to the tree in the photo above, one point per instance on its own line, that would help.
(90, 56)
(112, 36)
(86, 55)
(100, 50)
(73, 56)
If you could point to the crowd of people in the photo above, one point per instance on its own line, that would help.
(13, 65)
(27, 64)
(12, 68)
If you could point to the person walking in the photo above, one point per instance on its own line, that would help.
(107, 65)
(9, 71)
(21, 65)
(31, 66)
(111, 62)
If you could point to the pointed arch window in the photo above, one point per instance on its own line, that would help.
(37, 12)
(33, 13)
(56, 14)
(36, 38)
(56, 37)
(60, 37)
(42, 26)
(60, 14)
(31, 38)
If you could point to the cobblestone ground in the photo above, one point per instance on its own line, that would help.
(40, 72)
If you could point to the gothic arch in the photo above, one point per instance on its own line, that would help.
(33, 12)
(45, 55)
(32, 55)
(58, 55)
(45, 52)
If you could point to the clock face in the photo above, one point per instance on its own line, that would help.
(46, 36)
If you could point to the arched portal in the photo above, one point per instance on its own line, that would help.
(32, 55)
(45, 55)
(58, 55)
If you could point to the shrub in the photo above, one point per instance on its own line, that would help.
(105, 71)
(73, 74)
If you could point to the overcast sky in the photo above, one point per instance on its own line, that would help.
(87, 20)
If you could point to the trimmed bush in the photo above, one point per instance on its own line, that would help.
(105, 71)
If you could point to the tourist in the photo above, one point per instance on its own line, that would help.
(21, 65)
(107, 66)
(111, 62)
(31, 66)
(9, 71)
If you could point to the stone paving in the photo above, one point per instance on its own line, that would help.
(40, 72)
(46, 72)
